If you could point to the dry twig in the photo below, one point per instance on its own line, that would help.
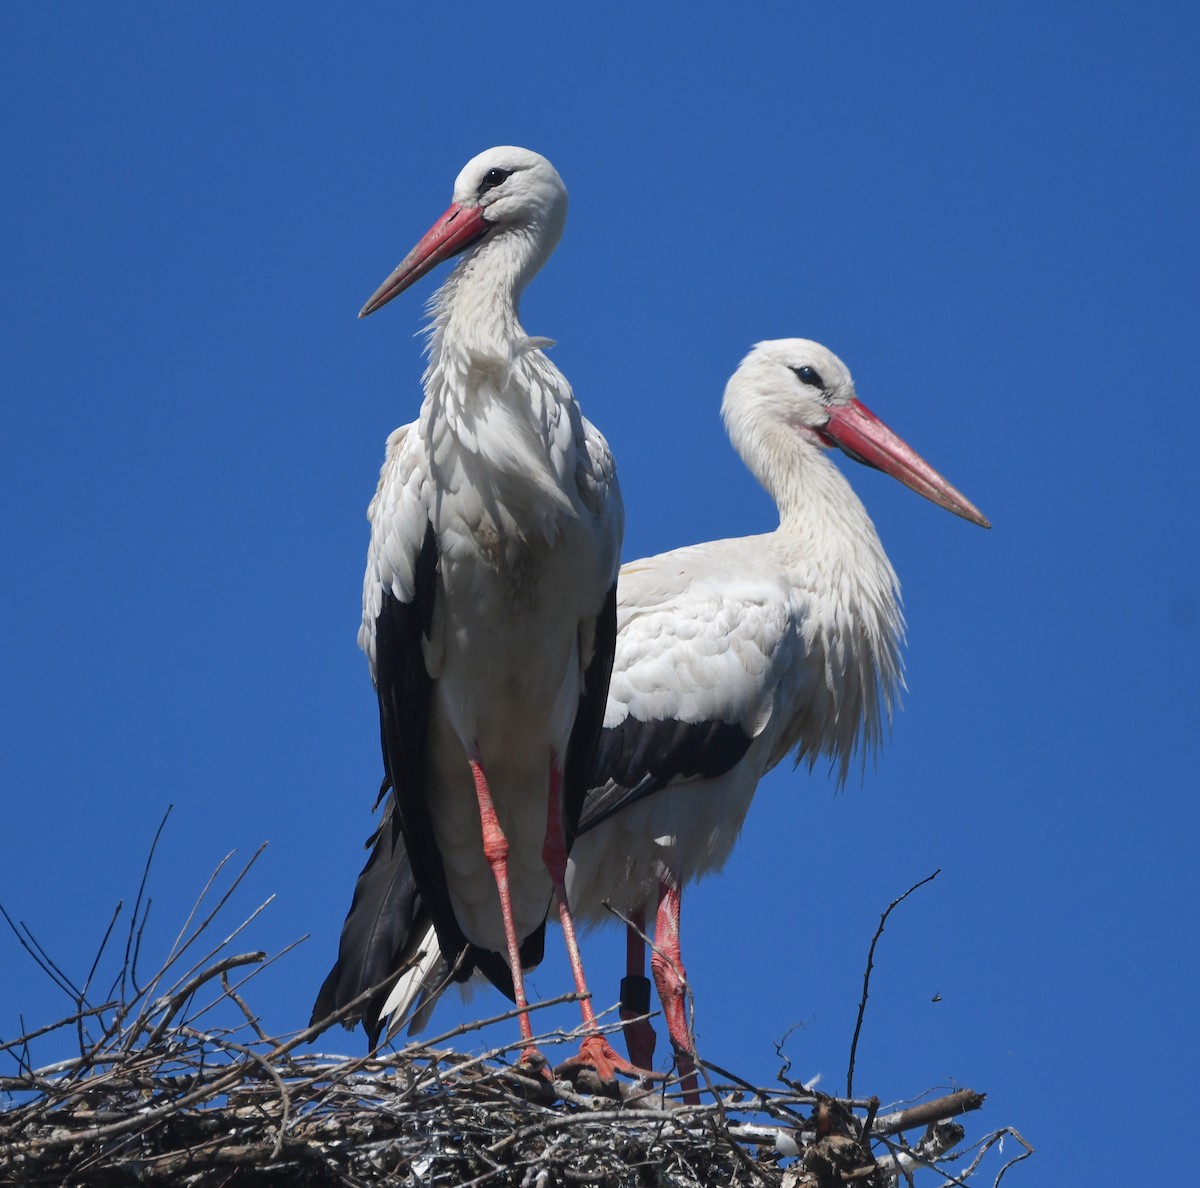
(862, 1005)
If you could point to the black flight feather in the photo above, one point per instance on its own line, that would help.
(589, 718)
(636, 759)
(385, 924)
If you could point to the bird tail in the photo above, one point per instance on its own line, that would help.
(387, 918)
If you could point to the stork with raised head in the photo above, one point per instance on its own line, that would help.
(730, 655)
(735, 653)
(489, 597)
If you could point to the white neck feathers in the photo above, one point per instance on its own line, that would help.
(849, 593)
(495, 407)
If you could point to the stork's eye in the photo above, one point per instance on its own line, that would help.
(493, 178)
(810, 376)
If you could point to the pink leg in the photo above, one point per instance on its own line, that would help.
(666, 963)
(495, 850)
(596, 1052)
(635, 995)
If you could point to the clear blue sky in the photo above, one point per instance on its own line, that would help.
(990, 212)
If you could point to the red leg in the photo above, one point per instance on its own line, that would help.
(495, 850)
(666, 963)
(596, 1052)
(635, 995)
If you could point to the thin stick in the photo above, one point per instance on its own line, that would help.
(1027, 1153)
(40, 956)
(177, 950)
(130, 940)
(862, 1005)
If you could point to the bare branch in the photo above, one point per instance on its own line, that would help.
(862, 1006)
(953, 1104)
(30, 944)
(133, 940)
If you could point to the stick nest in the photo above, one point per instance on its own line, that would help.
(156, 1092)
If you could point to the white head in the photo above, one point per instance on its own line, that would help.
(793, 389)
(513, 187)
(502, 191)
(788, 381)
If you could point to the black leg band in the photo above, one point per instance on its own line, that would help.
(635, 994)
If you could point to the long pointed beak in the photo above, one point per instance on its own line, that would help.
(454, 232)
(857, 431)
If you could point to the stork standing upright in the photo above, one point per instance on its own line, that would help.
(489, 596)
(735, 653)
(729, 656)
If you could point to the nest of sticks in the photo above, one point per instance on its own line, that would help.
(174, 1081)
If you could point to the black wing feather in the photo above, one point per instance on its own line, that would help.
(386, 921)
(637, 759)
(589, 718)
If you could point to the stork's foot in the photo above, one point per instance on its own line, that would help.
(532, 1077)
(599, 1060)
(532, 1063)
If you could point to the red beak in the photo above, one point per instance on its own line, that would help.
(454, 232)
(857, 431)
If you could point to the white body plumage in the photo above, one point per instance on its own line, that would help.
(794, 636)
(521, 494)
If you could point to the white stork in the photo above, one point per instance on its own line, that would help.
(735, 653)
(489, 597)
(730, 655)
